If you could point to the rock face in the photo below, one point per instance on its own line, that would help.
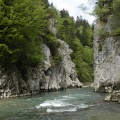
(113, 96)
(53, 26)
(106, 60)
(45, 77)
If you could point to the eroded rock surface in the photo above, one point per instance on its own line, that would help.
(106, 60)
(45, 77)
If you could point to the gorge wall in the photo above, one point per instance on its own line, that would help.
(107, 61)
(45, 77)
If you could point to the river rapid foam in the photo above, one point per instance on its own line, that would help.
(72, 104)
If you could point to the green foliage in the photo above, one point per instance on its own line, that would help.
(84, 32)
(66, 29)
(78, 34)
(102, 32)
(64, 13)
(53, 44)
(24, 26)
(102, 9)
(102, 13)
(56, 59)
(116, 8)
(83, 58)
(115, 32)
(116, 18)
(85, 35)
(19, 30)
(53, 12)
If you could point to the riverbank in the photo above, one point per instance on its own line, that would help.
(47, 91)
(72, 104)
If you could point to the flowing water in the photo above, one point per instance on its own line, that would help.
(72, 104)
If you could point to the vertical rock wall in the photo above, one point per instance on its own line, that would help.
(45, 77)
(106, 59)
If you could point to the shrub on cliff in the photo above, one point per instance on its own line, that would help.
(24, 25)
(78, 35)
(103, 9)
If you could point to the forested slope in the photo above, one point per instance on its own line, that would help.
(25, 25)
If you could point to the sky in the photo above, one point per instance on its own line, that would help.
(73, 8)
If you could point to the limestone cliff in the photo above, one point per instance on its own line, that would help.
(106, 59)
(45, 77)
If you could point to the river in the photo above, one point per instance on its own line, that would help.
(72, 104)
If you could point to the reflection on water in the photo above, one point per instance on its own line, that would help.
(72, 104)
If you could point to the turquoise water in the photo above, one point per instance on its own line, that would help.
(72, 104)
